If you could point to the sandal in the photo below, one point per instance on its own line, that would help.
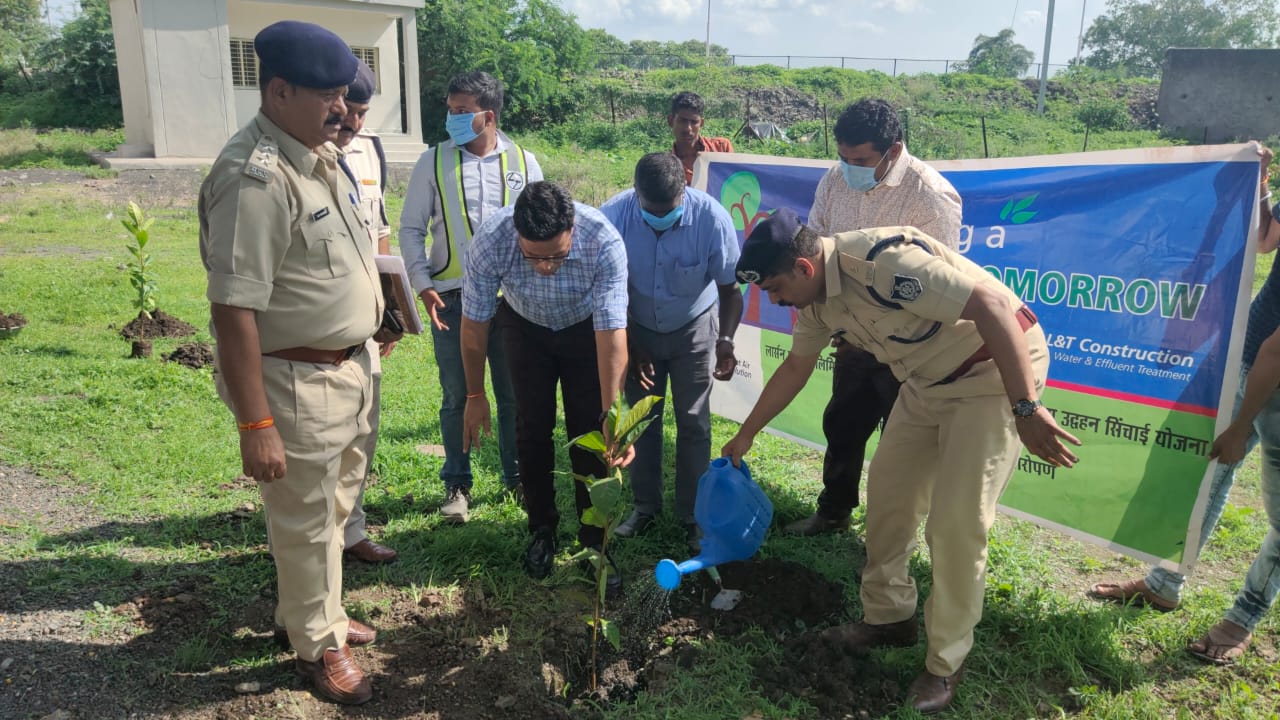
(1222, 645)
(1131, 592)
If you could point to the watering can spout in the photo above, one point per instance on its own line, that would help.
(734, 515)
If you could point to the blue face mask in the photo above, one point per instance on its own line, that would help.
(459, 128)
(858, 178)
(666, 221)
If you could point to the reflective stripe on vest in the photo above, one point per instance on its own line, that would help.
(453, 200)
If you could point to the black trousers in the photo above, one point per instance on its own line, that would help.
(863, 391)
(539, 359)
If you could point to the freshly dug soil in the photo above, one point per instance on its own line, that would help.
(160, 325)
(15, 320)
(192, 355)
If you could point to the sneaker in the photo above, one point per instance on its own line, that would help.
(635, 524)
(456, 504)
(541, 553)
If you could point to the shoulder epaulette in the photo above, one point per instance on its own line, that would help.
(261, 163)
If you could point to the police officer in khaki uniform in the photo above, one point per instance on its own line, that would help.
(973, 363)
(294, 297)
(366, 165)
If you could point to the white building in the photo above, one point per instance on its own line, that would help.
(189, 75)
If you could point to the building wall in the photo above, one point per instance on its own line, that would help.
(364, 27)
(1217, 96)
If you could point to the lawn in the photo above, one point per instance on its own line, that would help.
(134, 579)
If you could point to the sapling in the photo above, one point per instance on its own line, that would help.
(622, 427)
(141, 276)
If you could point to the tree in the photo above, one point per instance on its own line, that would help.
(997, 55)
(21, 33)
(1133, 35)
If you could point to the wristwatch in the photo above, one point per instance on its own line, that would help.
(725, 339)
(1026, 408)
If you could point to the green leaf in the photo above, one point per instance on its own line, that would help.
(584, 479)
(606, 492)
(1008, 208)
(638, 413)
(1025, 202)
(611, 633)
(594, 517)
(1021, 217)
(591, 442)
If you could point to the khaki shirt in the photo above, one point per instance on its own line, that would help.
(282, 233)
(925, 339)
(362, 158)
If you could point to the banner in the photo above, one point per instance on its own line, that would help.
(1139, 265)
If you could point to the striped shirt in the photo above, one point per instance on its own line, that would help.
(592, 282)
(911, 194)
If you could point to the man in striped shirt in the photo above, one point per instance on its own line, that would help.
(562, 270)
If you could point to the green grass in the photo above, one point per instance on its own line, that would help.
(56, 149)
(153, 451)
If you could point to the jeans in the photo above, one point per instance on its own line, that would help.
(456, 472)
(1263, 579)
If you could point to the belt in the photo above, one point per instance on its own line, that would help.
(1026, 320)
(319, 357)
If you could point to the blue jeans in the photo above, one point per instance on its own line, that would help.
(1262, 582)
(456, 472)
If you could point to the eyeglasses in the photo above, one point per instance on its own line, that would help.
(554, 261)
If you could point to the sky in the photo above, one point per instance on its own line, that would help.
(924, 29)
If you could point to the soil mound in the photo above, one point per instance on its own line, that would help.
(15, 320)
(161, 324)
(192, 355)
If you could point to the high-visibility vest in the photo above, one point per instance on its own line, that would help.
(453, 199)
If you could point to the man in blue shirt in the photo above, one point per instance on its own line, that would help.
(562, 270)
(681, 254)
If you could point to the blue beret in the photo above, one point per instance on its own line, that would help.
(306, 54)
(361, 89)
(771, 239)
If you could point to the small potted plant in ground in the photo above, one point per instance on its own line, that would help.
(11, 324)
(622, 427)
(150, 322)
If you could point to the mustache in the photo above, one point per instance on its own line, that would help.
(333, 119)
(349, 129)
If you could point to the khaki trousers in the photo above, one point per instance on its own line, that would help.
(945, 456)
(322, 413)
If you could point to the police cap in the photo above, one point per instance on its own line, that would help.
(305, 54)
(361, 89)
(770, 241)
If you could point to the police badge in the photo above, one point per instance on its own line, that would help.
(906, 288)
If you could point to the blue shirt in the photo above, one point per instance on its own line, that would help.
(592, 282)
(672, 279)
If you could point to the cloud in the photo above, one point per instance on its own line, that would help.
(1032, 18)
(595, 13)
(905, 7)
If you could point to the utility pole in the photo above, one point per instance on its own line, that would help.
(708, 33)
(1044, 59)
(1080, 38)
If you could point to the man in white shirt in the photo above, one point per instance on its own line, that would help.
(455, 187)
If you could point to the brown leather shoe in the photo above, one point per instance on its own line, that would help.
(862, 636)
(930, 693)
(816, 524)
(371, 552)
(337, 677)
(358, 635)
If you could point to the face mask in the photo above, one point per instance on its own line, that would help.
(858, 178)
(459, 128)
(666, 221)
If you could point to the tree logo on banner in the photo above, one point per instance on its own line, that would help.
(740, 195)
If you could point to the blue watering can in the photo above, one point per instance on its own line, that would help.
(734, 515)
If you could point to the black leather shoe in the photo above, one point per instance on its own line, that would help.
(541, 553)
(931, 693)
(635, 524)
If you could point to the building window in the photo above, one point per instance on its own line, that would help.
(370, 57)
(244, 64)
